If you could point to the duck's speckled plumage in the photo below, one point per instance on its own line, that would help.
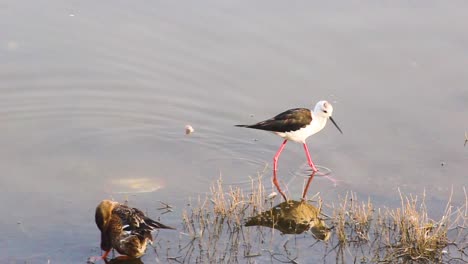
(125, 229)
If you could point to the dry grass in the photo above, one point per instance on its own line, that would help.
(350, 215)
(215, 224)
(401, 235)
(418, 236)
(214, 232)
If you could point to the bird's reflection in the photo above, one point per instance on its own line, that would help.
(304, 193)
(293, 217)
(306, 188)
(276, 183)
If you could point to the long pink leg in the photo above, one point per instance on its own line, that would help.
(311, 164)
(275, 168)
(97, 258)
(275, 159)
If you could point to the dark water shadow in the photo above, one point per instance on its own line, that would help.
(116, 260)
(120, 260)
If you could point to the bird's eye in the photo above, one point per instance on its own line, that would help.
(325, 111)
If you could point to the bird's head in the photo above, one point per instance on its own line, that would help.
(325, 110)
(103, 213)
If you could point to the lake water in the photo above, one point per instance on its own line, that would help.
(94, 98)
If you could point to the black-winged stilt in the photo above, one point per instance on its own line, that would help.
(297, 125)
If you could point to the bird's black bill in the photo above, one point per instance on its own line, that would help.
(333, 121)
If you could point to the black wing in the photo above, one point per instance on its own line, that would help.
(290, 120)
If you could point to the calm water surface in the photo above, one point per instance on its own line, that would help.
(94, 97)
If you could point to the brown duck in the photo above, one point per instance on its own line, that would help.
(125, 229)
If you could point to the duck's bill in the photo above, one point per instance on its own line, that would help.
(333, 121)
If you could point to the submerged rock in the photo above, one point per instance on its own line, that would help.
(292, 217)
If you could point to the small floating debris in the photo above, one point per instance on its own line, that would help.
(189, 130)
(12, 45)
(272, 196)
(466, 138)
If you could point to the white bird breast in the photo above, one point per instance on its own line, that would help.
(302, 134)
